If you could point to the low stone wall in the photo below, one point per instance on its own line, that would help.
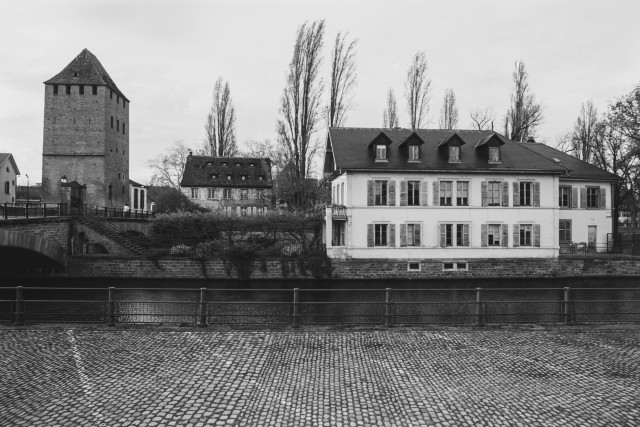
(177, 268)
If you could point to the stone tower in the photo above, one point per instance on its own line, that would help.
(86, 137)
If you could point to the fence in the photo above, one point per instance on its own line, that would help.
(112, 212)
(623, 243)
(297, 307)
(32, 210)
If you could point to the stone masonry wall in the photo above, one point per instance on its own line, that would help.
(55, 229)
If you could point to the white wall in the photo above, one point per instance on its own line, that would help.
(10, 177)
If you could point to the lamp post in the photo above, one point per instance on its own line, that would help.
(27, 211)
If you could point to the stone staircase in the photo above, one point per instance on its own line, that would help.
(133, 242)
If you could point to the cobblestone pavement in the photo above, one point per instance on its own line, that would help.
(563, 376)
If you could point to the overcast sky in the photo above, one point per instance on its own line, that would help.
(166, 55)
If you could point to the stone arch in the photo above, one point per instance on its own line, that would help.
(34, 243)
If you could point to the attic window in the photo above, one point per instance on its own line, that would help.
(414, 152)
(494, 154)
(381, 152)
(214, 177)
(76, 74)
(454, 154)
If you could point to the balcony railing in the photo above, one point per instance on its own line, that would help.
(338, 212)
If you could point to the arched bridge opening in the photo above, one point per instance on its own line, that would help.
(28, 253)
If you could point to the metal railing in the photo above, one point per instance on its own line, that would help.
(295, 307)
(32, 210)
(338, 211)
(113, 212)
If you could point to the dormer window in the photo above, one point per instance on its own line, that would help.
(214, 177)
(414, 152)
(243, 177)
(260, 178)
(494, 154)
(252, 164)
(210, 164)
(381, 152)
(224, 163)
(228, 177)
(237, 164)
(454, 154)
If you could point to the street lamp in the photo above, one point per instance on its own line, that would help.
(27, 190)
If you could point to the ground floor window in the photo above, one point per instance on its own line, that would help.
(565, 230)
(455, 266)
(195, 193)
(338, 233)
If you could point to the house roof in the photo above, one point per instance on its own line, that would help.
(576, 168)
(89, 72)
(9, 157)
(350, 149)
(136, 184)
(199, 171)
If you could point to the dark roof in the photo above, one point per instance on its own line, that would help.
(5, 156)
(350, 148)
(199, 170)
(576, 168)
(90, 72)
(136, 184)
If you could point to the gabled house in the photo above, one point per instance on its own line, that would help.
(458, 195)
(8, 173)
(236, 185)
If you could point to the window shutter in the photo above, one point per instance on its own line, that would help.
(574, 197)
(583, 197)
(536, 235)
(505, 194)
(465, 235)
(443, 235)
(536, 194)
(436, 193)
(483, 232)
(603, 198)
(568, 225)
(370, 235)
(516, 194)
(391, 200)
(416, 236)
(505, 235)
(485, 195)
(370, 187)
(403, 193)
(423, 193)
(392, 235)
(403, 235)
(516, 235)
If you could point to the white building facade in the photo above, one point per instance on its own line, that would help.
(487, 198)
(8, 173)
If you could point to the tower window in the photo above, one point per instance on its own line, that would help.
(110, 94)
(110, 192)
(123, 125)
(94, 89)
(117, 99)
(124, 103)
(76, 74)
(111, 122)
(68, 89)
(81, 89)
(55, 89)
(123, 152)
(118, 125)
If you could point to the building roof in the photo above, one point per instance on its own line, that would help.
(351, 151)
(87, 70)
(576, 168)
(136, 184)
(9, 157)
(206, 171)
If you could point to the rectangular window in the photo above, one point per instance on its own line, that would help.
(454, 235)
(413, 234)
(260, 211)
(123, 131)
(446, 193)
(195, 193)
(81, 89)
(111, 122)
(380, 194)
(7, 188)
(593, 197)
(55, 89)
(117, 99)
(110, 191)
(448, 230)
(226, 193)
(68, 89)
(462, 193)
(494, 154)
(454, 154)
(118, 125)
(455, 266)
(229, 177)
(414, 152)
(565, 197)
(110, 94)
(493, 190)
(493, 234)
(413, 193)
(244, 194)
(565, 230)
(380, 237)
(413, 266)
(211, 193)
(525, 193)
(243, 177)
(525, 234)
(243, 211)
(462, 235)
(94, 90)
(381, 152)
(259, 194)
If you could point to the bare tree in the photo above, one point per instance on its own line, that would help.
(266, 150)
(168, 168)
(343, 79)
(449, 112)
(300, 102)
(524, 114)
(390, 115)
(481, 118)
(417, 88)
(584, 135)
(220, 127)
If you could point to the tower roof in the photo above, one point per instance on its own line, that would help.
(85, 69)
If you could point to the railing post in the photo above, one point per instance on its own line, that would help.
(296, 307)
(19, 318)
(566, 304)
(387, 308)
(479, 314)
(6, 213)
(203, 308)
(111, 315)
(26, 210)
